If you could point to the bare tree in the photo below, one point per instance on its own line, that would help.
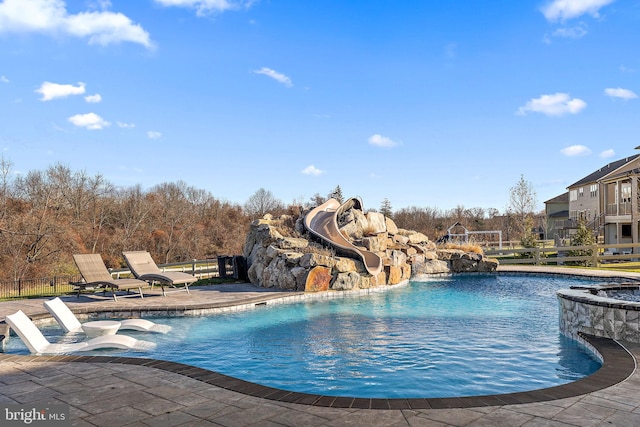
(261, 203)
(317, 200)
(172, 220)
(36, 233)
(129, 211)
(5, 187)
(523, 200)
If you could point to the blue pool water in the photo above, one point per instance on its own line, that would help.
(462, 336)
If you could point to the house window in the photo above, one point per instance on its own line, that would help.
(625, 191)
(625, 230)
(593, 190)
(573, 195)
(581, 191)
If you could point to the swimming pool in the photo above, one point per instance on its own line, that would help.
(462, 336)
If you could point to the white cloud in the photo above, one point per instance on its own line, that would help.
(152, 134)
(575, 150)
(125, 125)
(275, 75)
(93, 99)
(51, 17)
(576, 32)
(99, 4)
(562, 10)
(620, 93)
(557, 104)
(51, 91)
(91, 121)
(382, 141)
(4, 79)
(607, 153)
(205, 7)
(312, 170)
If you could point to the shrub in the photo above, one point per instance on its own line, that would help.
(583, 237)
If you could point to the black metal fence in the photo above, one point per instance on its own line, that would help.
(45, 286)
(222, 266)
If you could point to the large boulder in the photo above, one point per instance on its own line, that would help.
(376, 223)
(318, 279)
(392, 228)
(430, 267)
(346, 281)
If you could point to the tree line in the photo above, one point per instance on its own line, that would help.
(47, 216)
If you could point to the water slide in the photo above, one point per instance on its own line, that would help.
(322, 222)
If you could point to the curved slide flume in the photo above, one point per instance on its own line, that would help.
(322, 222)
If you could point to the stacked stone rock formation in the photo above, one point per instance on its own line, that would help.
(281, 254)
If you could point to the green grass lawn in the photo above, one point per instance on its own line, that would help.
(622, 266)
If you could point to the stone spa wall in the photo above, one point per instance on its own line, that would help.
(610, 311)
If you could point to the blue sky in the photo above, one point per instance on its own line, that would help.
(425, 103)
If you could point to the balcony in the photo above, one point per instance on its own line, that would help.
(618, 209)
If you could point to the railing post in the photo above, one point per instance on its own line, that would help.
(595, 255)
(537, 255)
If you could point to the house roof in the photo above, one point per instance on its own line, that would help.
(562, 198)
(559, 214)
(605, 170)
(635, 171)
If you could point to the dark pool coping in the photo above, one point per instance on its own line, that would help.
(618, 365)
(586, 295)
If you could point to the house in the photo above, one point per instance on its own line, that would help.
(620, 204)
(607, 201)
(557, 215)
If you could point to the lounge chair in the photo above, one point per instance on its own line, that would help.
(95, 273)
(38, 344)
(70, 323)
(144, 268)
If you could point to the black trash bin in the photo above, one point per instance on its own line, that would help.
(240, 268)
(223, 262)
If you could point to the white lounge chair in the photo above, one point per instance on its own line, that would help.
(70, 323)
(144, 267)
(38, 344)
